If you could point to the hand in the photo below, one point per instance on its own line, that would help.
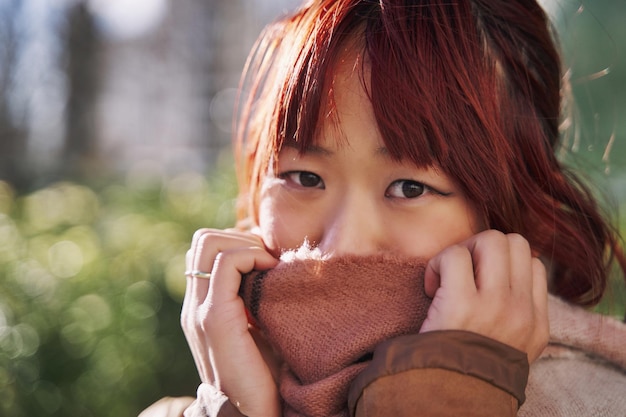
(214, 321)
(490, 284)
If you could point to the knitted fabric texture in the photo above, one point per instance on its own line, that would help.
(582, 372)
(325, 317)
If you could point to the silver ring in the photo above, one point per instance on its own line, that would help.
(198, 274)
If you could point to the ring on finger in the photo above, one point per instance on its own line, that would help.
(198, 274)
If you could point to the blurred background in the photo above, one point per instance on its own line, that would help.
(115, 121)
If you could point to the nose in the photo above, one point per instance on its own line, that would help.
(354, 226)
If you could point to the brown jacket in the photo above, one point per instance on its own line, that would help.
(437, 373)
(581, 373)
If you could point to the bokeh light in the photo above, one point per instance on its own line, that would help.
(7, 196)
(59, 205)
(121, 19)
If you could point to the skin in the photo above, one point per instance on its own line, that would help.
(347, 196)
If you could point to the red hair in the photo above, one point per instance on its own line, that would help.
(470, 86)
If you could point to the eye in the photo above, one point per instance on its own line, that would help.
(406, 189)
(304, 179)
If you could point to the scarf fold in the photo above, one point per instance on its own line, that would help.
(325, 317)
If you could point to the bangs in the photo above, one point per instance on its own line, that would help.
(437, 80)
(432, 88)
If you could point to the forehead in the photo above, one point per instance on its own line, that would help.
(345, 101)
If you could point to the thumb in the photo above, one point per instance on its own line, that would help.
(432, 277)
(452, 268)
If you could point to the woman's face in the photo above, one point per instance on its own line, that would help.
(346, 195)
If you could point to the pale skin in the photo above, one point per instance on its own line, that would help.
(347, 196)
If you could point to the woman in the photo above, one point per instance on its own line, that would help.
(387, 132)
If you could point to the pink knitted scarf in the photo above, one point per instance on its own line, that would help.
(324, 318)
(324, 332)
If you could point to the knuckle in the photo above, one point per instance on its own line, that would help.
(204, 324)
(186, 323)
(492, 240)
(493, 235)
(220, 261)
(518, 241)
(200, 232)
(200, 325)
(455, 251)
(196, 321)
(204, 239)
(225, 260)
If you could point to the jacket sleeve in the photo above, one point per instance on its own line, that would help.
(441, 373)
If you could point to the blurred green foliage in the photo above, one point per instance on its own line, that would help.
(91, 285)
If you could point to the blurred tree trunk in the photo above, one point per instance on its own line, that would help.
(206, 41)
(12, 132)
(230, 34)
(199, 18)
(82, 52)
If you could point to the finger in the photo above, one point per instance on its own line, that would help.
(453, 267)
(206, 245)
(210, 316)
(188, 261)
(491, 254)
(226, 232)
(200, 351)
(521, 266)
(195, 337)
(540, 284)
(540, 299)
(230, 264)
(227, 321)
(191, 300)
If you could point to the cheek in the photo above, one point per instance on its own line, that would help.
(283, 226)
(438, 230)
(457, 228)
(270, 226)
